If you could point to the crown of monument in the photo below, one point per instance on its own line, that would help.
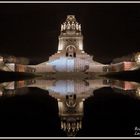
(71, 18)
(71, 24)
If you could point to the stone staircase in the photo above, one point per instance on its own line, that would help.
(85, 56)
(54, 57)
(82, 56)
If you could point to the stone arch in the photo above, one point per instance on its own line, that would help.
(71, 101)
(71, 51)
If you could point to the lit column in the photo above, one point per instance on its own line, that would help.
(81, 43)
(60, 45)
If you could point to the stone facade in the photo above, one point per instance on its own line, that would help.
(70, 56)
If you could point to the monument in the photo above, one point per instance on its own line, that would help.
(70, 56)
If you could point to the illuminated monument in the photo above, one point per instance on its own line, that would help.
(70, 94)
(70, 56)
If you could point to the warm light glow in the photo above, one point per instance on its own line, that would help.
(11, 85)
(81, 106)
(138, 91)
(80, 45)
(60, 106)
(1, 59)
(1, 93)
(137, 58)
(60, 46)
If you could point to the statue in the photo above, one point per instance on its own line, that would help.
(79, 27)
(68, 25)
(73, 26)
(62, 27)
(76, 26)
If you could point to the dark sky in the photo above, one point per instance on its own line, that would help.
(31, 30)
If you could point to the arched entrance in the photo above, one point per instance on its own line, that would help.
(71, 51)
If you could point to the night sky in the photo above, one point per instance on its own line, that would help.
(31, 30)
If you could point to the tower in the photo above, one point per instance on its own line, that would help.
(71, 38)
(71, 113)
(70, 56)
(70, 95)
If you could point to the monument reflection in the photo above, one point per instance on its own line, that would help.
(70, 95)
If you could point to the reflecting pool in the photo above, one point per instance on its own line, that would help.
(69, 107)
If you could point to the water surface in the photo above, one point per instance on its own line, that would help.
(60, 108)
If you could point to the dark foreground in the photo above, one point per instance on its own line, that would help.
(126, 76)
(14, 76)
(34, 113)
